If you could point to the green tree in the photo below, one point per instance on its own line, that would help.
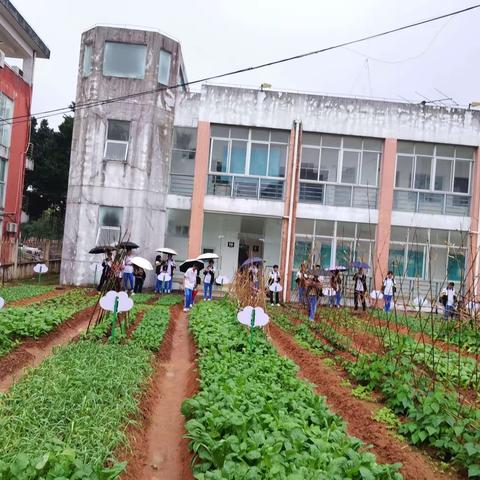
(46, 185)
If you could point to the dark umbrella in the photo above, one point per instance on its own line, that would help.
(358, 264)
(190, 263)
(127, 245)
(101, 249)
(249, 261)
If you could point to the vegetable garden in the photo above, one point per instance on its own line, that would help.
(346, 396)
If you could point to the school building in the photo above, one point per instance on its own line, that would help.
(257, 172)
(20, 46)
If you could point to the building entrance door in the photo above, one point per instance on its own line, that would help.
(249, 248)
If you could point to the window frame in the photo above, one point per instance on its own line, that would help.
(249, 141)
(3, 182)
(169, 72)
(129, 77)
(118, 142)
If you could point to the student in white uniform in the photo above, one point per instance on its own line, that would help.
(388, 290)
(274, 278)
(190, 280)
(449, 298)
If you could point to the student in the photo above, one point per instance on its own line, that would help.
(388, 290)
(128, 280)
(449, 298)
(274, 278)
(336, 284)
(209, 276)
(190, 281)
(139, 274)
(300, 281)
(360, 288)
(106, 269)
(253, 274)
(313, 294)
(171, 266)
(158, 270)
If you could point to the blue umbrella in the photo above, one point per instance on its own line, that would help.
(358, 264)
(249, 261)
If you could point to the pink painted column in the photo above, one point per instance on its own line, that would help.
(199, 189)
(471, 267)
(385, 205)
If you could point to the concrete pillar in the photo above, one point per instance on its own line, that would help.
(199, 189)
(472, 261)
(291, 188)
(385, 205)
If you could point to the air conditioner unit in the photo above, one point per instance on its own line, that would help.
(2, 58)
(12, 227)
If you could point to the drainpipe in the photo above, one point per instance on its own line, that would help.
(293, 183)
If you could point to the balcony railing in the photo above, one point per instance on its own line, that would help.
(338, 195)
(429, 202)
(245, 187)
(181, 184)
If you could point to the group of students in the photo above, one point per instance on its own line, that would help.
(192, 281)
(126, 275)
(166, 266)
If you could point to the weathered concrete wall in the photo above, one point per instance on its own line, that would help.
(139, 184)
(346, 116)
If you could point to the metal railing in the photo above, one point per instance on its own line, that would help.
(338, 195)
(245, 187)
(429, 202)
(181, 184)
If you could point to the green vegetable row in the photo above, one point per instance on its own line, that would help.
(19, 292)
(38, 318)
(66, 418)
(253, 417)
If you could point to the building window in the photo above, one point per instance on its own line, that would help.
(116, 146)
(433, 178)
(247, 162)
(109, 225)
(324, 242)
(165, 60)
(3, 180)
(87, 60)
(124, 60)
(428, 254)
(6, 115)
(183, 160)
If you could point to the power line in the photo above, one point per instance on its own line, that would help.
(81, 106)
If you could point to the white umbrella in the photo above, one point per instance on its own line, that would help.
(208, 256)
(142, 263)
(171, 251)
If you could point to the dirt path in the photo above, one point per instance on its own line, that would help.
(356, 413)
(159, 450)
(39, 298)
(31, 352)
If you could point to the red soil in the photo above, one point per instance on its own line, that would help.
(357, 413)
(40, 298)
(158, 449)
(31, 352)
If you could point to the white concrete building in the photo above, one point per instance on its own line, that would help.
(279, 175)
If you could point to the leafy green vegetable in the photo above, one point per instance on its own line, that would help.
(253, 417)
(19, 292)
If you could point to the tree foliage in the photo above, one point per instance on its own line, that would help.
(46, 185)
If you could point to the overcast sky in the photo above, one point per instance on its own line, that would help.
(221, 35)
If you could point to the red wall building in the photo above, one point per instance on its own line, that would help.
(18, 41)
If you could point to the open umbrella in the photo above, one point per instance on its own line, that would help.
(101, 249)
(249, 261)
(170, 251)
(358, 264)
(127, 245)
(142, 263)
(190, 263)
(208, 256)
